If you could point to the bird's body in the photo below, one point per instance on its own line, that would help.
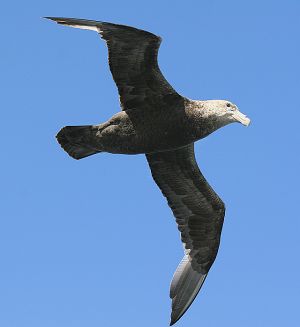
(157, 121)
(154, 130)
(134, 131)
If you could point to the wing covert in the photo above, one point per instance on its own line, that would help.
(198, 210)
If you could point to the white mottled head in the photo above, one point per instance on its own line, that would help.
(224, 112)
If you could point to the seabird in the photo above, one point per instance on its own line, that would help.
(158, 122)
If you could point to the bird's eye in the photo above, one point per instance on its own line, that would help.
(228, 104)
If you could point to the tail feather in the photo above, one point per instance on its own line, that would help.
(184, 288)
(75, 140)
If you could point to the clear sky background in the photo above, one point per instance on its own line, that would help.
(93, 242)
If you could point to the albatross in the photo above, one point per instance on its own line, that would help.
(156, 121)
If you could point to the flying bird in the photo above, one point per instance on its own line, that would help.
(156, 121)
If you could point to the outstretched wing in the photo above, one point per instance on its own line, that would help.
(133, 63)
(199, 213)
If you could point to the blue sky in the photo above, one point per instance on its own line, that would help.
(93, 242)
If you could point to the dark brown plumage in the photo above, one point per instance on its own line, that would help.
(157, 121)
(198, 210)
(133, 64)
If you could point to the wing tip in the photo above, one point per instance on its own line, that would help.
(175, 316)
(83, 24)
(58, 20)
(96, 25)
(185, 286)
(55, 19)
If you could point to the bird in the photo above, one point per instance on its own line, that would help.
(157, 121)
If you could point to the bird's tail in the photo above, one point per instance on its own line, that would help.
(77, 141)
(186, 284)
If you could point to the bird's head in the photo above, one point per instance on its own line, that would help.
(224, 112)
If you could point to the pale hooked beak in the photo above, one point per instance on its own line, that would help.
(241, 118)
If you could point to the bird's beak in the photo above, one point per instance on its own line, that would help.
(241, 118)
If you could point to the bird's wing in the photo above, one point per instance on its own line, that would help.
(199, 213)
(133, 63)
